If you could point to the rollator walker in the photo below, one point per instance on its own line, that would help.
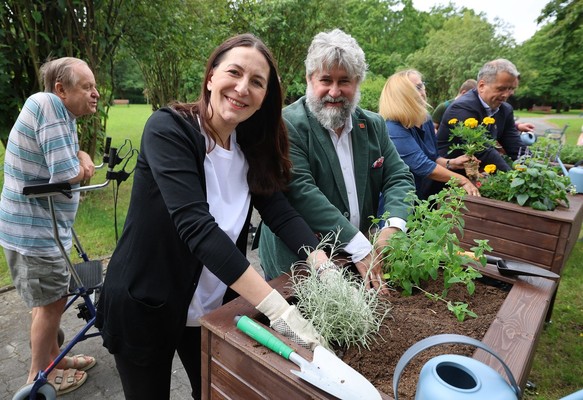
(86, 277)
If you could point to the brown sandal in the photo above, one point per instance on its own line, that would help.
(66, 380)
(80, 362)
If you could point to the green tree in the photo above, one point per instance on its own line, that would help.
(35, 31)
(552, 59)
(170, 40)
(127, 77)
(388, 31)
(287, 27)
(456, 52)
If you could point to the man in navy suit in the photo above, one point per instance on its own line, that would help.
(497, 81)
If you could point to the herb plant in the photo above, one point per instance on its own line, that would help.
(338, 304)
(571, 154)
(341, 309)
(430, 249)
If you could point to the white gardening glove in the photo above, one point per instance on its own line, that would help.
(287, 320)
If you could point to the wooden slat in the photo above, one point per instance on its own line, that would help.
(248, 368)
(508, 249)
(518, 325)
(542, 239)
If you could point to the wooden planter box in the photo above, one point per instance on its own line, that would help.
(543, 238)
(234, 366)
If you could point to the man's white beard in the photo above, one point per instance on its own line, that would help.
(331, 117)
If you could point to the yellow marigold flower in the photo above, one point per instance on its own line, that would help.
(520, 167)
(471, 122)
(488, 121)
(452, 121)
(490, 168)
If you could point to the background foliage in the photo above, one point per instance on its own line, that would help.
(155, 52)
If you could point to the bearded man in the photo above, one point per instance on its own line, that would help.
(342, 160)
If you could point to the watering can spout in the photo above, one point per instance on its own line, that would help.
(565, 172)
(527, 138)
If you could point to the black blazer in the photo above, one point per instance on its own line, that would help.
(169, 235)
(503, 130)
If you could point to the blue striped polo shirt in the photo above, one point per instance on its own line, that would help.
(42, 145)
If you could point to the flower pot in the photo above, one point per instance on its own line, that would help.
(472, 170)
(234, 366)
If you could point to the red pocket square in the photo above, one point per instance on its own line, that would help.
(379, 162)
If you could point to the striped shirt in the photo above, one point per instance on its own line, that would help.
(42, 146)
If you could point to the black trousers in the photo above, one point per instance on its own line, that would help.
(153, 381)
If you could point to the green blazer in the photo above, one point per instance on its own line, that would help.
(317, 189)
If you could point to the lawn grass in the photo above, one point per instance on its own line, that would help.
(558, 363)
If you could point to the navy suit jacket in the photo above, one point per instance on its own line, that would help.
(503, 130)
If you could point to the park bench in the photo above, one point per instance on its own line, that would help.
(121, 101)
(557, 134)
(541, 108)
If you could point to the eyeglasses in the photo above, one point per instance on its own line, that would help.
(420, 86)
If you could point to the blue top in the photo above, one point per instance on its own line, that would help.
(417, 147)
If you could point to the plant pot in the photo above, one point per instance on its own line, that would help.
(234, 366)
(472, 170)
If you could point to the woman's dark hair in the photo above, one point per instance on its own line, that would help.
(263, 136)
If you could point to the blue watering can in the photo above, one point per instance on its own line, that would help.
(575, 174)
(455, 377)
(527, 138)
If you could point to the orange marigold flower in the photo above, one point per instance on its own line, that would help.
(488, 121)
(490, 168)
(471, 122)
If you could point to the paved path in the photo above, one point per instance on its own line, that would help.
(102, 382)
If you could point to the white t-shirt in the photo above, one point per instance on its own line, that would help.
(229, 200)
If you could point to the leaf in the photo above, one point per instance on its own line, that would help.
(516, 182)
(522, 198)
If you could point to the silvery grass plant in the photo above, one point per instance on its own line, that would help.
(338, 304)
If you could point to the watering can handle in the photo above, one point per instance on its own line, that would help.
(443, 339)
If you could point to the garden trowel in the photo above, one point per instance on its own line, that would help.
(510, 267)
(326, 371)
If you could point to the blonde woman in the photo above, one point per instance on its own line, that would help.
(403, 104)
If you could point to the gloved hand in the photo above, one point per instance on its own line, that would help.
(287, 320)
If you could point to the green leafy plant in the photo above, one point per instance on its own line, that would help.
(431, 249)
(472, 137)
(545, 149)
(531, 183)
(571, 154)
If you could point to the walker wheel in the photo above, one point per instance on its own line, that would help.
(45, 392)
